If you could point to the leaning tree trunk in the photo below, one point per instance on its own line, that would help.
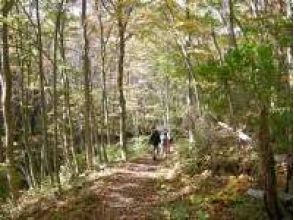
(268, 168)
(86, 70)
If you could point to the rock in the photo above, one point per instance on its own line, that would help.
(225, 126)
(206, 173)
(101, 166)
(285, 197)
(255, 193)
(280, 158)
(258, 194)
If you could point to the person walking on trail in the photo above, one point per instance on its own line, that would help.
(166, 143)
(155, 140)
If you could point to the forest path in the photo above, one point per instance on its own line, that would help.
(130, 190)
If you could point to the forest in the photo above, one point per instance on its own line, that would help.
(85, 84)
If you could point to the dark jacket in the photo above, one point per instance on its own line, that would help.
(155, 138)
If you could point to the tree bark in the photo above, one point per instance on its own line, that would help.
(122, 101)
(268, 167)
(24, 110)
(68, 137)
(7, 102)
(103, 79)
(167, 113)
(55, 143)
(44, 151)
(190, 99)
(233, 41)
(86, 70)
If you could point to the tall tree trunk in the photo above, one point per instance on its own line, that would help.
(86, 70)
(69, 144)
(28, 113)
(190, 99)
(24, 110)
(103, 79)
(91, 121)
(2, 147)
(232, 45)
(268, 167)
(55, 142)
(122, 101)
(233, 41)
(167, 122)
(65, 135)
(44, 151)
(96, 135)
(225, 81)
(7, 102)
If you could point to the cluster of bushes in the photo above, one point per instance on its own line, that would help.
(216, 149)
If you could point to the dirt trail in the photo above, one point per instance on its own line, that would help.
(129, 191)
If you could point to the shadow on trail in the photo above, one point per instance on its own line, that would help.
(128, 191)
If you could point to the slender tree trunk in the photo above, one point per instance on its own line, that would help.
(103, 79)
(167, 103)
(7, 102)
(24, 109)
(233, 41)
(27, 125)
(28, 113)
(190, 100)
(122, 101)
(65, 123)
(96, 135)
(91, 121)
(232, 45)
(69, 125)
(44, 151)
(227, 89)
(225, 83)
(86, 70)
(268, 167)
(218, 49)
(2, 147)
(55, 142)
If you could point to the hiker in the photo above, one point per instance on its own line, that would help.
(155, 140)
(166, 142)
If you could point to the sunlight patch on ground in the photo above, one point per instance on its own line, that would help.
(124, 186)
(119, 200)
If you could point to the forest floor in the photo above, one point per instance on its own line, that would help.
(142, 189)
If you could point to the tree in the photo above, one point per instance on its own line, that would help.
(86, 71)
(104, 36)
(122, 102)
(67, 115)
(55, 50)
(25, 67)
(44, 152)
(7, 100)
